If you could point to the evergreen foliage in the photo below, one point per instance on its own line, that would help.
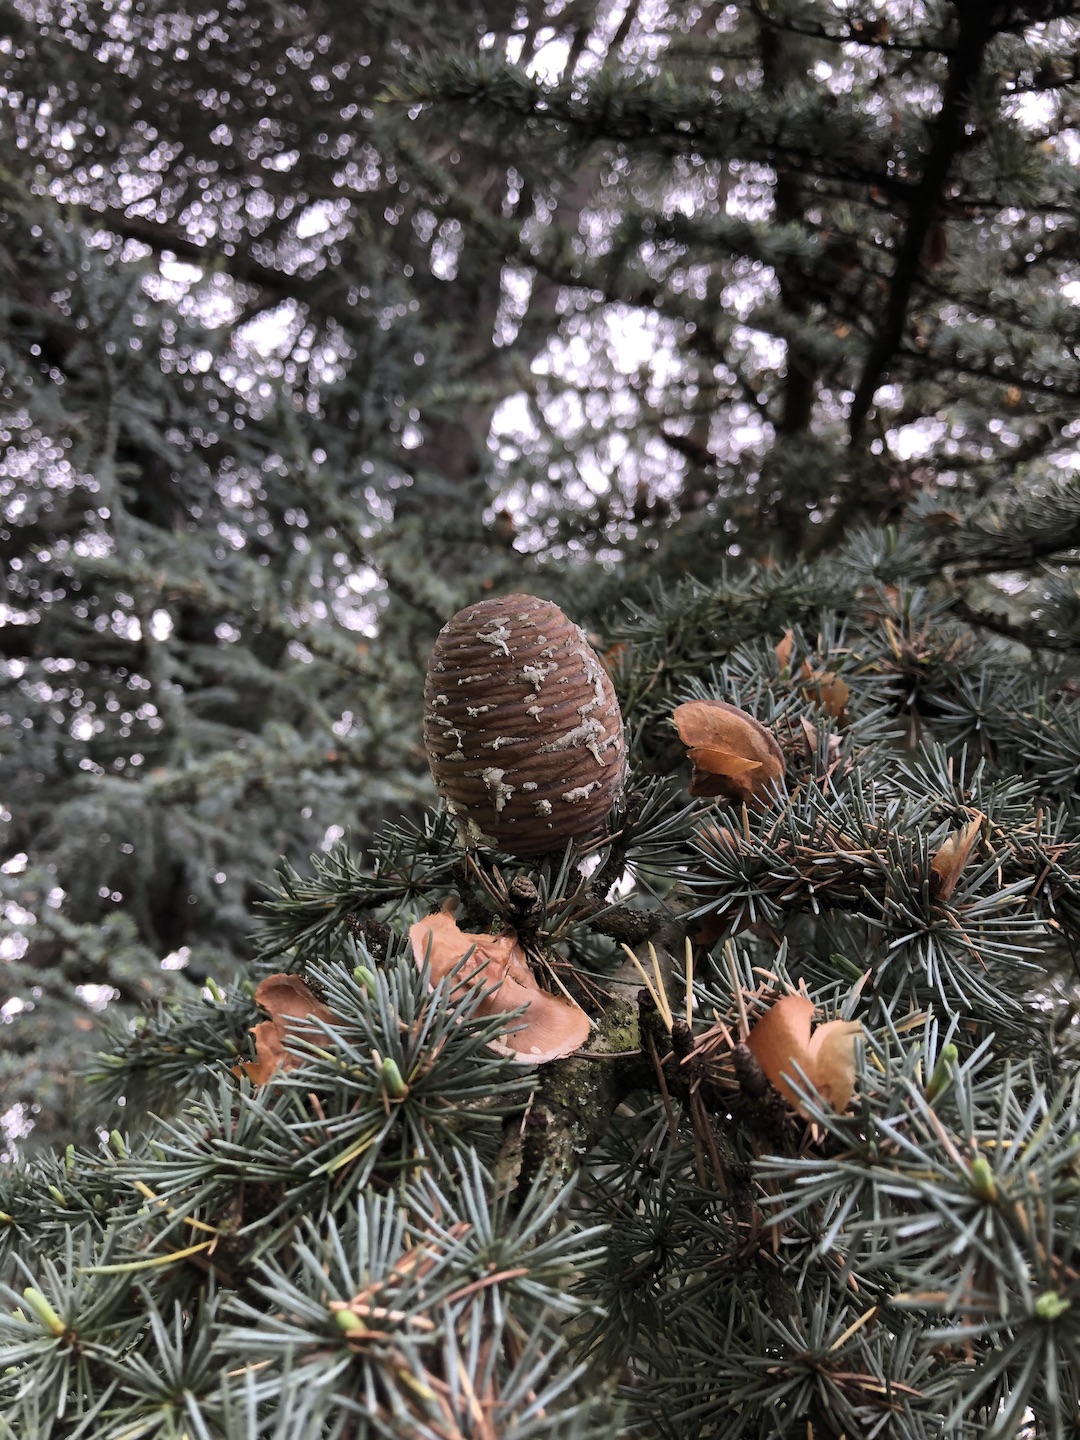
(837, 489)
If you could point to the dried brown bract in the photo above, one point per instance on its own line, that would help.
(733, 755)
(948, 864)
(290, 1003)
(551, 1026)
(783, 1045)
(825, 688)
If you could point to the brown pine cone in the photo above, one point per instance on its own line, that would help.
(522, 727)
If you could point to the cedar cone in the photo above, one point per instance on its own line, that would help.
(522, 727)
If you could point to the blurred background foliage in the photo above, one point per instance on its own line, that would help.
(318, 321)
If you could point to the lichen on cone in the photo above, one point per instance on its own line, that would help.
(522, 727)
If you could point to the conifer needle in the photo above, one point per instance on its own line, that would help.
(689, 983)
(127, 1266)
(663, 1008)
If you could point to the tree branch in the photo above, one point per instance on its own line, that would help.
(1033, 636)
(1013, 554)
(963, 69)
(239, 264)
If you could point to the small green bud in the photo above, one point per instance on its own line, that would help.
(348, 1321)
(1050, 1306)
(365, 977)
(6, 1219)
(982, 1180)
(393, 1084)
(845, 966)
(44, 1311)
(944, 1071)
(192, 1053)
(215, 990)
(116, 1140)
(69, 1160)
(57, 1195)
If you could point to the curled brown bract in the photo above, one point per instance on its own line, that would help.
(290, 1003)
(550, 1028)
(733, 755)
(948, 864)
(783, 1045)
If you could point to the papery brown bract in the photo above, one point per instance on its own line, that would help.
(551, 1026)
(825, 688)
(785, 650)
(733, 755)
(783, 1045)
(287, 999)
(948, 864)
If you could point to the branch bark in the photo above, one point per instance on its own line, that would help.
(239, 264)
(964, 63)
(1013, 553)
(1033, 636)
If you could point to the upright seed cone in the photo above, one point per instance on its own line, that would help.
(522, 726)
